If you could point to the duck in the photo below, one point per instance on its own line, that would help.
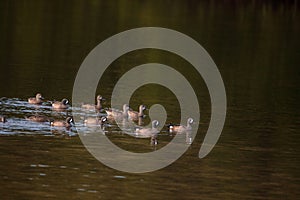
(63, 104)
(2, 119)
(38, 118)
(98, 106)
(134, 115)
(38, 99)
(117, 113)
(66, 123)
(181, 128)
(149, 132)
(95, 121)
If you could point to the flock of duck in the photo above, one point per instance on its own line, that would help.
(111, 114)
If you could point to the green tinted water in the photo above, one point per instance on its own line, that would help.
(256, 48)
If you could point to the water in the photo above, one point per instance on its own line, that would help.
(256, 48)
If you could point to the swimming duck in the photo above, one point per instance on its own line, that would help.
(134, 115)
(95, 121)
(37, 118)
(63, 104)
(118, 113)
(38, 99)
(149, 132)
(66, 123)
(2, 119)
(98, 106)
(181, 128)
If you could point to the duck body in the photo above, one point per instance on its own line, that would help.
(66, 123)
(38, 99)
(117, 113)
(181, 128)
(38, 118)
(88, 107)
(134, 115)
(63, 104)
(98, 106)
(2, 119)
(149, 132)
(95, 121)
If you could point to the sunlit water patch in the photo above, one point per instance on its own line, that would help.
(18, 110)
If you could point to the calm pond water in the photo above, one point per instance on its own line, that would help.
(256, 48)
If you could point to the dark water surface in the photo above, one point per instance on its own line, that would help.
(256, 48)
